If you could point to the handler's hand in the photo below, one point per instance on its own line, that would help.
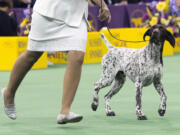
(104, 14)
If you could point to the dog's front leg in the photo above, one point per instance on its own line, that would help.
(139, 113)
(103, 82)
(159, 87)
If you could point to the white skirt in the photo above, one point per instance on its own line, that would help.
(48, 34)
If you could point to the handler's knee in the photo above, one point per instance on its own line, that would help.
(31, 56)
(76, 57)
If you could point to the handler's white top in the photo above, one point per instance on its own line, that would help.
(69, 11)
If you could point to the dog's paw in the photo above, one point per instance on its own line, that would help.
(161, 112)
(111, 114)
(142, 117)
(94, 107)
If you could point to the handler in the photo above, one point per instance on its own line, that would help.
(57, 25)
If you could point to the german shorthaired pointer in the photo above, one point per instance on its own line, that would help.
(142, 66)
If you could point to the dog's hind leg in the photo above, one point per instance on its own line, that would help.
(103, 82)
(139, 113)
(159, 87)
(118, 83)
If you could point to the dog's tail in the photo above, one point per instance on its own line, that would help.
(106, 42)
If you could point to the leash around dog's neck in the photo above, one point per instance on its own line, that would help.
(107, 26)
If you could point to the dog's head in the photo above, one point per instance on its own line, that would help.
(158, 33)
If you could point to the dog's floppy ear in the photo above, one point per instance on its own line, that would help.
(170, 38)
(147, 33)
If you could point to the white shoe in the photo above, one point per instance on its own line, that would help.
(70, 118)
(10, 110)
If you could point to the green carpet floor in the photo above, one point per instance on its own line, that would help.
(38, 102)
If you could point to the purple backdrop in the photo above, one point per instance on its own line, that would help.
(122, 16)
(149, 0)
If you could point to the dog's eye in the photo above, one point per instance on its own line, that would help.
(161, 28)
(153, 27)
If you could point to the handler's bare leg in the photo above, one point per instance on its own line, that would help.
(71, 79)
(22, 65)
